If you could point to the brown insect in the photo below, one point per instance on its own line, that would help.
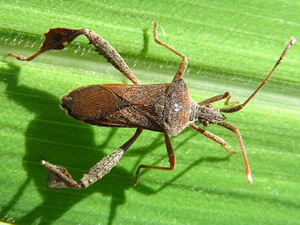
(166, 108)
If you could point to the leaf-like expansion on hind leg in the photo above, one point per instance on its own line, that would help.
(59, 38)
(59, 177)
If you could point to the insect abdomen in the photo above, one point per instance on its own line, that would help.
(118, 105)
(91, 103)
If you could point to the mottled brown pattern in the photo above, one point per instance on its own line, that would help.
(166, 108)
(178, 108)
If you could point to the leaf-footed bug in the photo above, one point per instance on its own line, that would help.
(166, 108)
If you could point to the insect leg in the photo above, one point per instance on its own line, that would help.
(110, 54)
(171, 156)
(184, 62)
(59, 38)
(59, 177)
(213, 137)
(236, 131)
(218, 98)
(241, 106)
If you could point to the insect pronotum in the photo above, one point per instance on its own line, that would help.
(166, 108)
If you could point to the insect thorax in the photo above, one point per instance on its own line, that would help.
(178, 108)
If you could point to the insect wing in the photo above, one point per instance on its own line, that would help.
(118, 105)
(91, 103)
(145, 109)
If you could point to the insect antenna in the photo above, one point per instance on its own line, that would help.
(241, 106)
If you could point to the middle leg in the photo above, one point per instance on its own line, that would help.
(184, 62)
(171, 156)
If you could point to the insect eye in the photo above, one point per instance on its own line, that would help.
(205, 123)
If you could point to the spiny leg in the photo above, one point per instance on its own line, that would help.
(236, 131)
(59, 38)
(216, 98)
(241, 106)
(171, 156)
(59, 177)
(213, 137)
(184, 62)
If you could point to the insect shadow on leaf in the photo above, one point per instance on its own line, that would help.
(166, 108)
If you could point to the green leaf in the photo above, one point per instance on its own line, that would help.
(231, 46)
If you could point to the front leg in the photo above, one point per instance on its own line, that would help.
(59, 177)
(216, 98)
(213, 137)
(59, 38)
(242, 146)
